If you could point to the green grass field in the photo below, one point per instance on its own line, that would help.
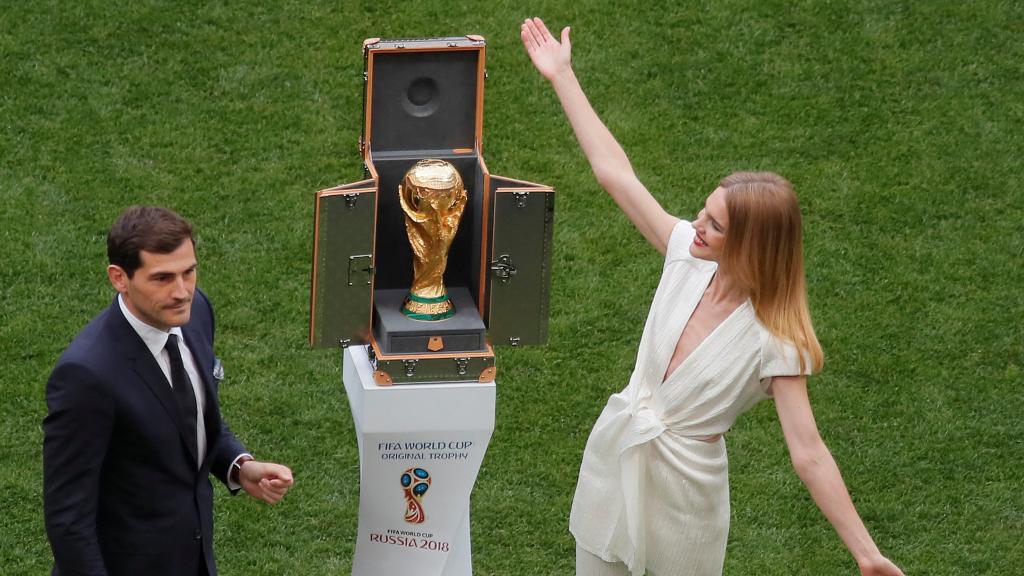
(900, 123)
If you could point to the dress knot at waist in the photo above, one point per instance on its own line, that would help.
(644, 426)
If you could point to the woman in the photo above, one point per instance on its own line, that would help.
(729, 326)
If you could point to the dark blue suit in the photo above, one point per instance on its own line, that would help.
(123, 494)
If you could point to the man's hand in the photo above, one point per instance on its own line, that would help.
(265, 480)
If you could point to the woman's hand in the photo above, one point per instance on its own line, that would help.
(880, 566)
(549, 56)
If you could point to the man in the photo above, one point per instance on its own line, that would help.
(134, 428)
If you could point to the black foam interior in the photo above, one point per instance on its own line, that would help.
(424, 100)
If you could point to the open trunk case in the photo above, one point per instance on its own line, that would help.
(424, 99)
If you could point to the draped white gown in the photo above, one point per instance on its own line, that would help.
(650, 493)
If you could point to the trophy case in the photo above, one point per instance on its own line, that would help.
(423, 100)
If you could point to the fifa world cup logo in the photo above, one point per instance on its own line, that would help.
(415, 483)
(433, 198)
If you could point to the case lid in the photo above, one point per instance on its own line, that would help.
(424, 94)
(520, 262)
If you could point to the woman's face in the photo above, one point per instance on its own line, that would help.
(711, 225)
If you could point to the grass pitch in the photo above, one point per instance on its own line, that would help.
(899, 123)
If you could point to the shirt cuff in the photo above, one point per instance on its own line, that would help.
(232, 485)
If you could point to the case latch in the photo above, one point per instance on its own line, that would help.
(410, 366)
(359, 263)
(503, 268)
(461, 365)
(520, 199)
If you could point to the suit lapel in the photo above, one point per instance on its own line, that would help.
(149, 372)
(203, 356)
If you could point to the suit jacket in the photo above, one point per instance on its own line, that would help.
(123, 493)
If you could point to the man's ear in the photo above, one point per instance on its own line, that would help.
(118, 278)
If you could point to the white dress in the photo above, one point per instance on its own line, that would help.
(650, 493)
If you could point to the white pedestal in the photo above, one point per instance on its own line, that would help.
(442, 429)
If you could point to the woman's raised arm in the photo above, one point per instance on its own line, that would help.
(607, 159)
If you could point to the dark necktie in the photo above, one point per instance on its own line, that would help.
(183, 391)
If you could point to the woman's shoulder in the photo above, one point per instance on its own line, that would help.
(780, 357)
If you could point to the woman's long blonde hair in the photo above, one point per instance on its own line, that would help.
(764, 252)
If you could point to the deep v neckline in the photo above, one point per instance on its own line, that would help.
(668, 376)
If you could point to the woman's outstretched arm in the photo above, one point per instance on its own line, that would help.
(818, 471)
(607, 159)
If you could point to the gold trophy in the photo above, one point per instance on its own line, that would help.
(433, 198)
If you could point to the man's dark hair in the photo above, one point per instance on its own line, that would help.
(148, 228)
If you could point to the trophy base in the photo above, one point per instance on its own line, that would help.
(428, 309)
(397, 333)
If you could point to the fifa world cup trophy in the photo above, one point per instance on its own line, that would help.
(433, 198)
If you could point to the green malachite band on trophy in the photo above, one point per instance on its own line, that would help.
(440, 316)
(422, 300)
(428, 309)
